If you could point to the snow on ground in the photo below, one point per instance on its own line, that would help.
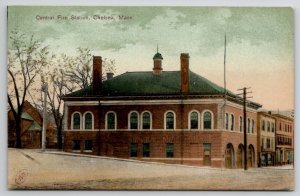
(32, 169)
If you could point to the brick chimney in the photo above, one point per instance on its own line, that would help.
(184, 64)
(97, 75)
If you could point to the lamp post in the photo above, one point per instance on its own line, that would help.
(45, 90)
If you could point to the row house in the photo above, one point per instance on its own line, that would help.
(284, 151)
(162, 116)
(265, 139)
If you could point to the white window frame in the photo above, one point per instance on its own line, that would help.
(212, 119)
(129, 124)
(83, 120)
(72, 121)
(189, 120)
(141, 120)
(165, 120)
(116, 121)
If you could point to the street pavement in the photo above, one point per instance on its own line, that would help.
(33, 169)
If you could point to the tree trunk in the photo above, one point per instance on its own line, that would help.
(18, 132)
(59, 136)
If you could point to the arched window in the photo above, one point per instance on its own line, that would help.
(232, 122)
(226, 121)
(207, 120)
(252, 127)
(146, 120)
(111, 120)
(194, 118)
(248, 128)
(88, 121)
(241, 124)
(170, 120)
(76, 121)
(133, 120)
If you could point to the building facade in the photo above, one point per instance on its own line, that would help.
(266, 127)
(31, 129)
(162, 116)
(284, 139)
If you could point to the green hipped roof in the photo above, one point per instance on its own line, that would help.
(26, 116)
(157, 56)
(35, 127)
(147, 84)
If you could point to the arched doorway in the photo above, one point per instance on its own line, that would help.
(251, 156)
(240, 156)
(229, 156)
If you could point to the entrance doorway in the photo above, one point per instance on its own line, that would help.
(207, 154)
(229, 156)
(251, 156)
(240, 157)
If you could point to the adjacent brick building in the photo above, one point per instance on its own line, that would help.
(284, 139)
(162, 116)
(265, 139)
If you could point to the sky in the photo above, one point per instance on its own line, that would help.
(260, 42)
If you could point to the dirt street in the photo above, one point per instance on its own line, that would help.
(31, 169)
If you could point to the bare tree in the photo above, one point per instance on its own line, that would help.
(26, 58)
(59, 85)
(80, 72)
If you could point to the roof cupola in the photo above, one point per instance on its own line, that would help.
(157, 63)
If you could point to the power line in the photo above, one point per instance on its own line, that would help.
(245, 122)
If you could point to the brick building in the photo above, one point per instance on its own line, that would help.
(265, 139)
(284, 139)
(162, 116)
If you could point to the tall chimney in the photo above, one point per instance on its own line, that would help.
(184, 62)
(97, 75)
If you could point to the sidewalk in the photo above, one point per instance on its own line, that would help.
(279, 167)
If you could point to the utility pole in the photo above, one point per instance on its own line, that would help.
(45, 90)
(244, 93)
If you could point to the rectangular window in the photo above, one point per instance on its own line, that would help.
(146, 150)
(273, 127)
(206, 146)
(241, 124)
(285, 128)
(268, 143)
(279, 126)
(133, 150)
(76, 145)
(252, 128)
(268, 126)
(170, 150)
(272, 144)
(88, 145)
